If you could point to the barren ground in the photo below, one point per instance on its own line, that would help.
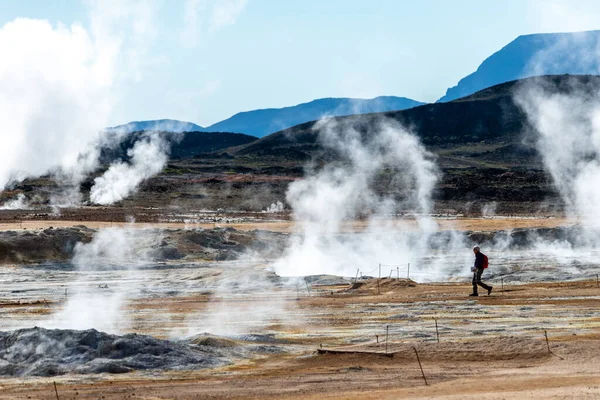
(507, 360)
(475, 224)
(490, 347)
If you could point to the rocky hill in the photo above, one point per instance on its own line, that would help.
(183, 144)
(533, 55)
(169, 125)
(264, 122)
(481, 143)
(488, 117)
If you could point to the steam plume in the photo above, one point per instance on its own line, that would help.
(148, 157)
(55, 96)
(60, 86)
(18, 203)
(568, 138)
(115, 250)
(346, 190)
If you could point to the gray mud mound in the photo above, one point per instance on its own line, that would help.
(383, 284)
(241, 346)
(218, 244)
(326, 280)
(521, 238)
(44, 352)
(262, 338)
(221, 244)
(41, 246)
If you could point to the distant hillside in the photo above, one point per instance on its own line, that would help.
(532, 55)
(167, 125)
(264, 122)
(489, 116)
(184, 145)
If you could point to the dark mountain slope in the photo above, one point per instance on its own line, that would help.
(266, 121)
(194, 143)
(489, 116)
(183, 145)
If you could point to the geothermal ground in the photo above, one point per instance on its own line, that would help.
(203, 328)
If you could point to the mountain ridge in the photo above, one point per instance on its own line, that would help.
(167, 125)
(276, 119)
(494, 116)
(530, 55)
(261, 122)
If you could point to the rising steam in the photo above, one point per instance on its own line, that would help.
(147, 158)
(385, 155)
(18, 203)
(568, 137)
(59, 88)
(55, 96)
(95, 298)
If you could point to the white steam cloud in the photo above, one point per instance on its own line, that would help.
(59, 87)
(55, 96)
(147, 158)
(277, 207)
(98, 304)
(568, 128)
(328, 198)
(18, 203)
(229, 312)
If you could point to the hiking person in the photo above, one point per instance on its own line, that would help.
(478, 267)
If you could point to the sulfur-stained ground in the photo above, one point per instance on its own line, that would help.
(341, 341)
(491, 346)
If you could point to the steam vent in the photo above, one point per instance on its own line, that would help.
(236, 199)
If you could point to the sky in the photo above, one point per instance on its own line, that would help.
(205, 60)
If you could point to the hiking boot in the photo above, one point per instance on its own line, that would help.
(473, 294)
(490, 290)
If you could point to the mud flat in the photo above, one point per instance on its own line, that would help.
(296, 337)
(281, 223)
(500, 337)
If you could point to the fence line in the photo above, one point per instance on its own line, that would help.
(406, 269)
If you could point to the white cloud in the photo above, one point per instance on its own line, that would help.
(225, 12)
(565, 16)
(192, 23)
(202, 16)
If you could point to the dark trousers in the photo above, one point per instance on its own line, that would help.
(477, 280)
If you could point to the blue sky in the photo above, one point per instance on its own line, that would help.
(267, 53)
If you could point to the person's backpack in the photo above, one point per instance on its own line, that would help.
(485, 261)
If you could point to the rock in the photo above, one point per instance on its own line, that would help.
(49, 352)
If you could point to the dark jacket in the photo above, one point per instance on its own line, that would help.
(479, 260)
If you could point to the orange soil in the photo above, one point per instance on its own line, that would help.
(497, 367)
(475, 224)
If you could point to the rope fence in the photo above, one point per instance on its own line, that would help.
(405, 269)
